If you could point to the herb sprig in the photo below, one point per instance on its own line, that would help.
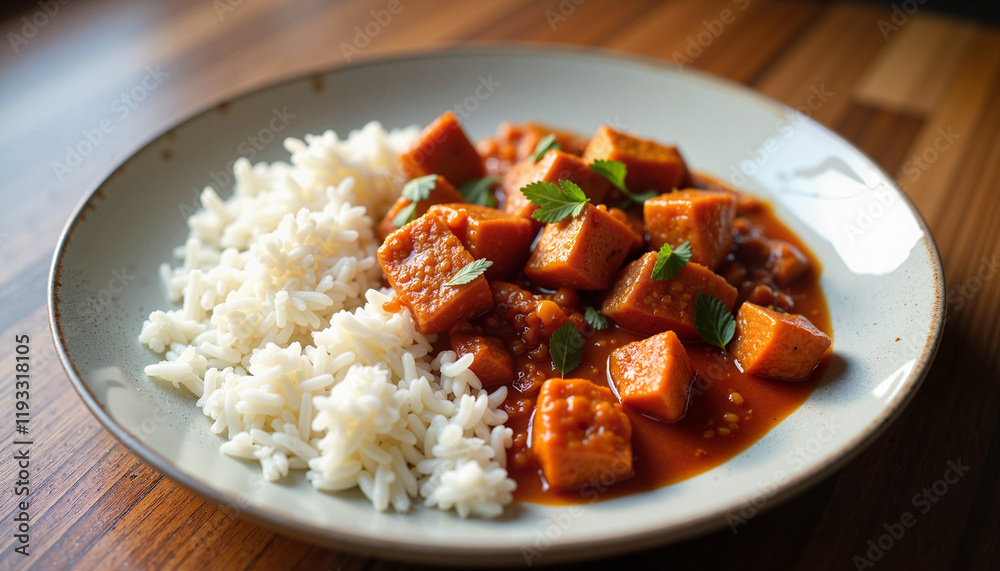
(479, 191)
(471, 271)
(555, 202)
(545, 144)
(415, 190)
(713, 320)
(566, 348)
(670, 261)
(615, 172)
(595, 318)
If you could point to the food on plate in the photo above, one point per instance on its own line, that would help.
(535, 315)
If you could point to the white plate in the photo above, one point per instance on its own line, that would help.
(881, 275)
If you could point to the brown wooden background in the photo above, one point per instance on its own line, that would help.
(897, 84)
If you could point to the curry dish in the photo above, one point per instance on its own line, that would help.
(649, 322)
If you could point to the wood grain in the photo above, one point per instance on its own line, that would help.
(95, 505)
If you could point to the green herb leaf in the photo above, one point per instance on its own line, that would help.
(595, 318)
(713, 320)
(555, 203)
(566, 348)
(545, 144)
(614, 171)
(479, 191)
(405, 216)
(670, 261)
(420, 188)
(470, 272)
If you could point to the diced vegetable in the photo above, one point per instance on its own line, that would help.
(650, 165)
(786, 262)
(780, 345)
(515, 142)
(646, 305)
(583, 252)
(489, 234)
(418, 260)
(702, 217)
(653, 375)
(444, 149)
(442, 192)
(553, 167)
(491, 362)
(580, 434)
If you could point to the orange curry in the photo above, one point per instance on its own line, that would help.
(649, 322)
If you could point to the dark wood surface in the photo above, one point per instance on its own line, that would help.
(896, 83)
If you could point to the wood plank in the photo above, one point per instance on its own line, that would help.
(913, 72)
(884, 135)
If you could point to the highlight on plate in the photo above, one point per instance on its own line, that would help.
(538, 316)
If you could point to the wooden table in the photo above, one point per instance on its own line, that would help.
(897, 81)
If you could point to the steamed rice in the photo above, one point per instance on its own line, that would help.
(282, 335)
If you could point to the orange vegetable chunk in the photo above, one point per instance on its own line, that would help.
(580, 434)
(780, 345)
(786, 262)
(443, 148)
(583, 252)
(552, 167)
(489, 233)
(646, 305)
(442, 192)
(649, 164)
(418, 260)
(702, 217)
(491, 362)
(654, 375)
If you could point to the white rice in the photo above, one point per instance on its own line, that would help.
(282, 336)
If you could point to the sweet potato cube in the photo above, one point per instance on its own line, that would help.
(444, 149)
(418, 260)
(649, 164)
(780, 345)
(489, 233)
(583, 252)
(786, 262)
(654, 375)
(646, 305)
(580, 434)
(442, 192)
(491, 361)
(552, 167)
(516, 141)
(702, 217)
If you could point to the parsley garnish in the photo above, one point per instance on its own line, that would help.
(545, 144)
(470, 272)
(713, 320)
(595, 318)
(415, 190)
(555, 202)
(479, 191)
(615, 171)
(670, 261)
(566, 348)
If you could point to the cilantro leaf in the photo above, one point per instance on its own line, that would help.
(614, 171)
(406, 215)
(566, 348)
(595, 318)
(470, 272)
(713, 320)
(670, 261)
(554, 202)
(420, 188)
(479, 191)
(545, 144)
